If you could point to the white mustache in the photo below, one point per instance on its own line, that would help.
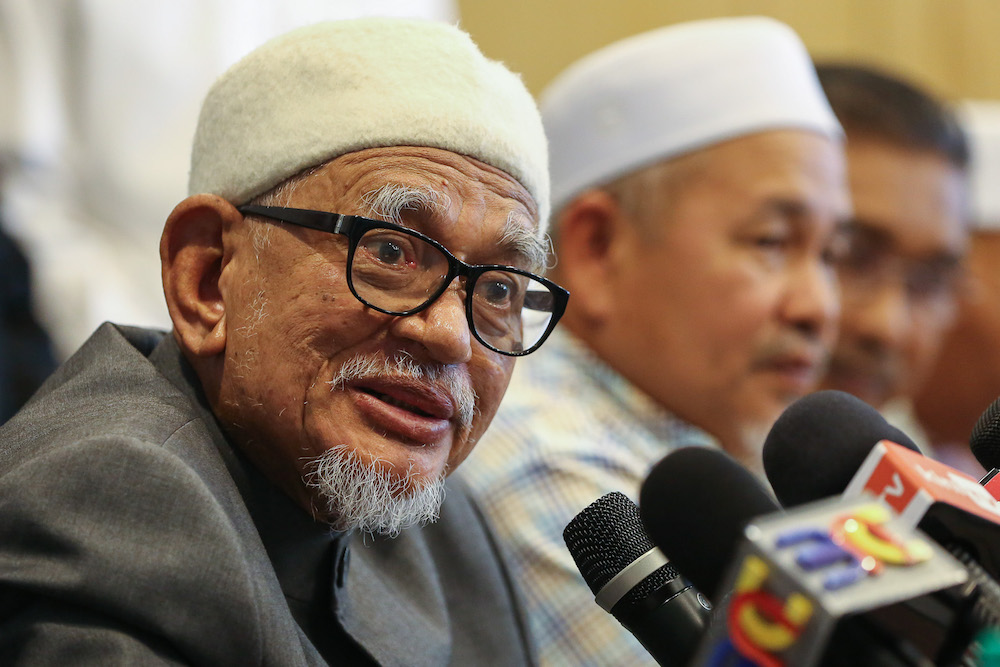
(447, 378)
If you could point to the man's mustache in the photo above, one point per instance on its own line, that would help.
(449, 379)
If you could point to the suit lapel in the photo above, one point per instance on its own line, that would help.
(392, 603)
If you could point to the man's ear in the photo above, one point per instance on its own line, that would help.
(589, 235)
(192, 256)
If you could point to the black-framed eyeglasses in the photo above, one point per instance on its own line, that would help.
(873, 262)
(399, 271)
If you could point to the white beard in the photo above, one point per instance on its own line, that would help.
(368, 497)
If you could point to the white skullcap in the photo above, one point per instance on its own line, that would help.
(669, 91)
(321, 91)
(981, 122)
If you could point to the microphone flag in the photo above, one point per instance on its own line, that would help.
(948, 504)
(798, 575)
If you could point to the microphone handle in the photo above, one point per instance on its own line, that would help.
(856, 642)
(986, 608)
(669, 624)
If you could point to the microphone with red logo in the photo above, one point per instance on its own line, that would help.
(818, 443)
(820, 432)
(830, 442)
(833, 583)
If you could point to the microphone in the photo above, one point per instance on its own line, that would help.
(827, 443)
(841, 583)
(695, 503)
(985, 445)
(817, 444)
(634, 582)
(798, 596)
(946, 504)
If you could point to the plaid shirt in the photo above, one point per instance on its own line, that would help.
(569, 430)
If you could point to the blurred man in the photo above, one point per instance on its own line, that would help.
(965, 379)
(906, 162)
(698, 180)
(201, 497)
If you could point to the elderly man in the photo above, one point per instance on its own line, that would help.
(698, 180)
(906, 165)
(349, 283)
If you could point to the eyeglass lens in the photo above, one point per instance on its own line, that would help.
(400, 273)
(869, 266)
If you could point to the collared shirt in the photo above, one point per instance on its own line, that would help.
(569, 430)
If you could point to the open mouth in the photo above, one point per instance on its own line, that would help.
(413, 414)
(396, 402)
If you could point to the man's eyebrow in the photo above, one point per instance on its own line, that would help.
(390, 200)
(517, 239)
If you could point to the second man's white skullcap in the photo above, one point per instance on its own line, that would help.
(332, 88)
(676, 89)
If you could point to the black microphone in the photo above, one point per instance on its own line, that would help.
(634, 582)
(843, 582)
(853, 451)
(695, 503)
(818, 443)
(829, 443)
(793, 594)
(984, 441)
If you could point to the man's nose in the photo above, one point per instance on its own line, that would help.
(442, 328)
(883, 314)
(812, 301)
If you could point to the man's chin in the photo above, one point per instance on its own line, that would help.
(352, 493)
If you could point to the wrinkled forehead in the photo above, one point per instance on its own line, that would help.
(432, 191)
(444, 178)
(913, 202)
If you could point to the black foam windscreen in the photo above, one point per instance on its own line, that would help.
(985, 438)
(818, 443)
(695, 504)
(606, 537)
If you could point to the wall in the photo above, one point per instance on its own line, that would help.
(950, 46)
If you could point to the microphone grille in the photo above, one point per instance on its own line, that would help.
(606, 537)
(985, 438)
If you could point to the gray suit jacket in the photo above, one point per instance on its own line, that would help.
(126, 537)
